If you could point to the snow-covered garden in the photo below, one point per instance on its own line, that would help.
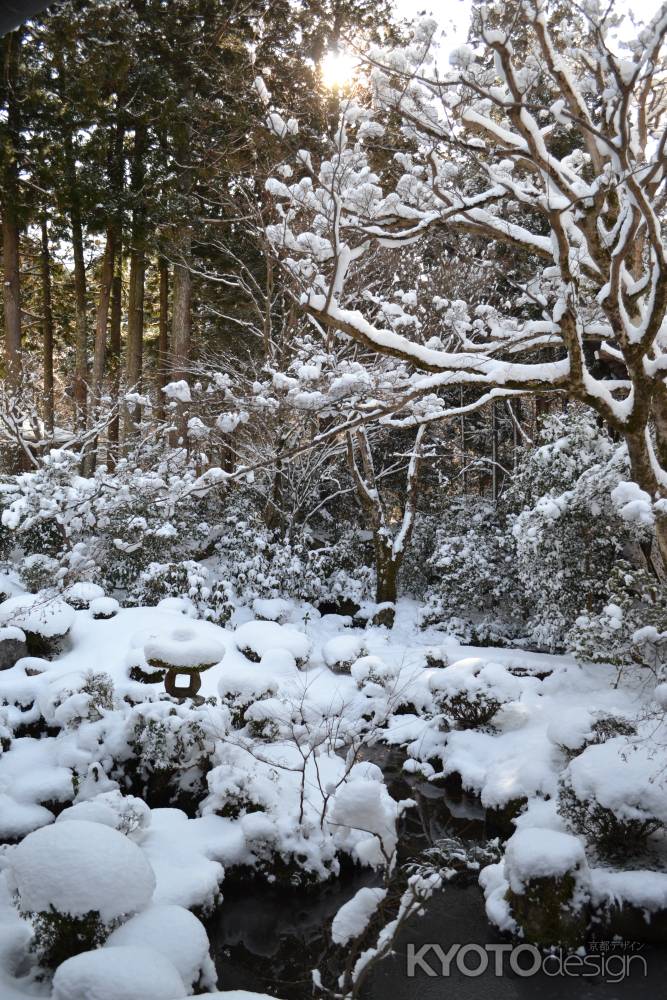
(333, 490)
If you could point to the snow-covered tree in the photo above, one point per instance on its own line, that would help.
(478, 152)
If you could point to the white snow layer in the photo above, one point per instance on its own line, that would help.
(353, 917)
(79, 867)
(118, 974)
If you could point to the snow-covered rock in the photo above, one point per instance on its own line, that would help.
(78, 867)
(539, 853)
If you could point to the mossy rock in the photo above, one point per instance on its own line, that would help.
(385, 616)
(499, 819)
(547, 913)
(46, 647)
(632, 923)
(12, 650)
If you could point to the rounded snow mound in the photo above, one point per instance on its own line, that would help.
(45, 616)
(175, 933)
(180, 605)
(473, 675)
(78, 867)
(371, 671)
(126, 813)
(10, 633)
(118, 974)
(538, 853)
(272, 609)
(82, 593)
(624, 776)
(104, 607)
(259, 638)
(340, 652)
(184, 647)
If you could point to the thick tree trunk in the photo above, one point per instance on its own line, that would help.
(80, 387)
(11, 293)
(163, 337)
(47, 332)
(181, 329)
(102, 314)
(135, 333)
(181, 322)
(136, 290)
(9, 200)
(387, 565)
(113, 432)
(100, 345)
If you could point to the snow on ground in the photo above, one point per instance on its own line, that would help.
(274, 715)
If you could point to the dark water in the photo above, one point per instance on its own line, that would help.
(268, 939)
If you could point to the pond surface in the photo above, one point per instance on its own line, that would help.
(268, 939)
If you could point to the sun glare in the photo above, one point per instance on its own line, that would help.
(338, 69)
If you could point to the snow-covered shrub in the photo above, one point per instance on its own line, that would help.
(567, 530)
(472, 691)
(170, 752)
(578, 730)
(614, 793)
(211, 598)
(234, 791)
(473, 568)
(267, 718)
(436, 658)
(87, 703)
(120, 973)
(373, 676)
(630, 627)
(125, 813)
(79, 595)
(38, 571)
(102, 608)
(256, 639)
(342, 651)
(108, 527)
(176, 934)
(261, 563)
(239, 693)
(44, 618)
(365, 806)
(75, 881)
(272, 609)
